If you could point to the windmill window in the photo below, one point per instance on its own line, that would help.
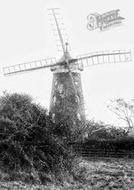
(77, 99)
(78, 116)
(76, 83)
(60, 88)
(56, 83)
(53, 116)
(54, 99)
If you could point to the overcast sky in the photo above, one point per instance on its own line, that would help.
(26, 35)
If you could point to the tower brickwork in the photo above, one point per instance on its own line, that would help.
(64, 100)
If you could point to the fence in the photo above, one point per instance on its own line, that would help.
(88, 151)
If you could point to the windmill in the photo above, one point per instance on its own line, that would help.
(67, 95)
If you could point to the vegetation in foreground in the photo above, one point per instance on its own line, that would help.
(30, 150)
(93, 174)
(37, 153)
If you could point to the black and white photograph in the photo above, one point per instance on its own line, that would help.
(66, 95)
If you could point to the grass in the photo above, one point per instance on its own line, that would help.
(107, 174)
(89, 174)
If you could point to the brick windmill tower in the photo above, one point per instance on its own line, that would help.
(67, 95)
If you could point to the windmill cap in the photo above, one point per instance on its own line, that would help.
(68, 56)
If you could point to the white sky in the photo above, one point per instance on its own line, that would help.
(26, 35)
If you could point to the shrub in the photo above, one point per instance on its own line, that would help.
(101, 131)
(27, 142)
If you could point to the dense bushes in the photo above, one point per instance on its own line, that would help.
(123, 147)
(101, 131)
(102, 140)
(27, 141)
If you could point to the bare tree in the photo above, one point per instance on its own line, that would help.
(124, 110)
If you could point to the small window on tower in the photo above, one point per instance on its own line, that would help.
(77, 99)
(76, 83)
(60, 88)
(56, 83)
(54, 100)
(53, 116)
(78, 116)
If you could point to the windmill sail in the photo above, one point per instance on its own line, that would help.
(97, 58)
(29, 66)
(58, 29)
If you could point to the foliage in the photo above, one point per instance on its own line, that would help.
(122, 147)
(101, 131)
(105, 140)
(91, 174)
(124, 110)
(69, 129)
(27, 142)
